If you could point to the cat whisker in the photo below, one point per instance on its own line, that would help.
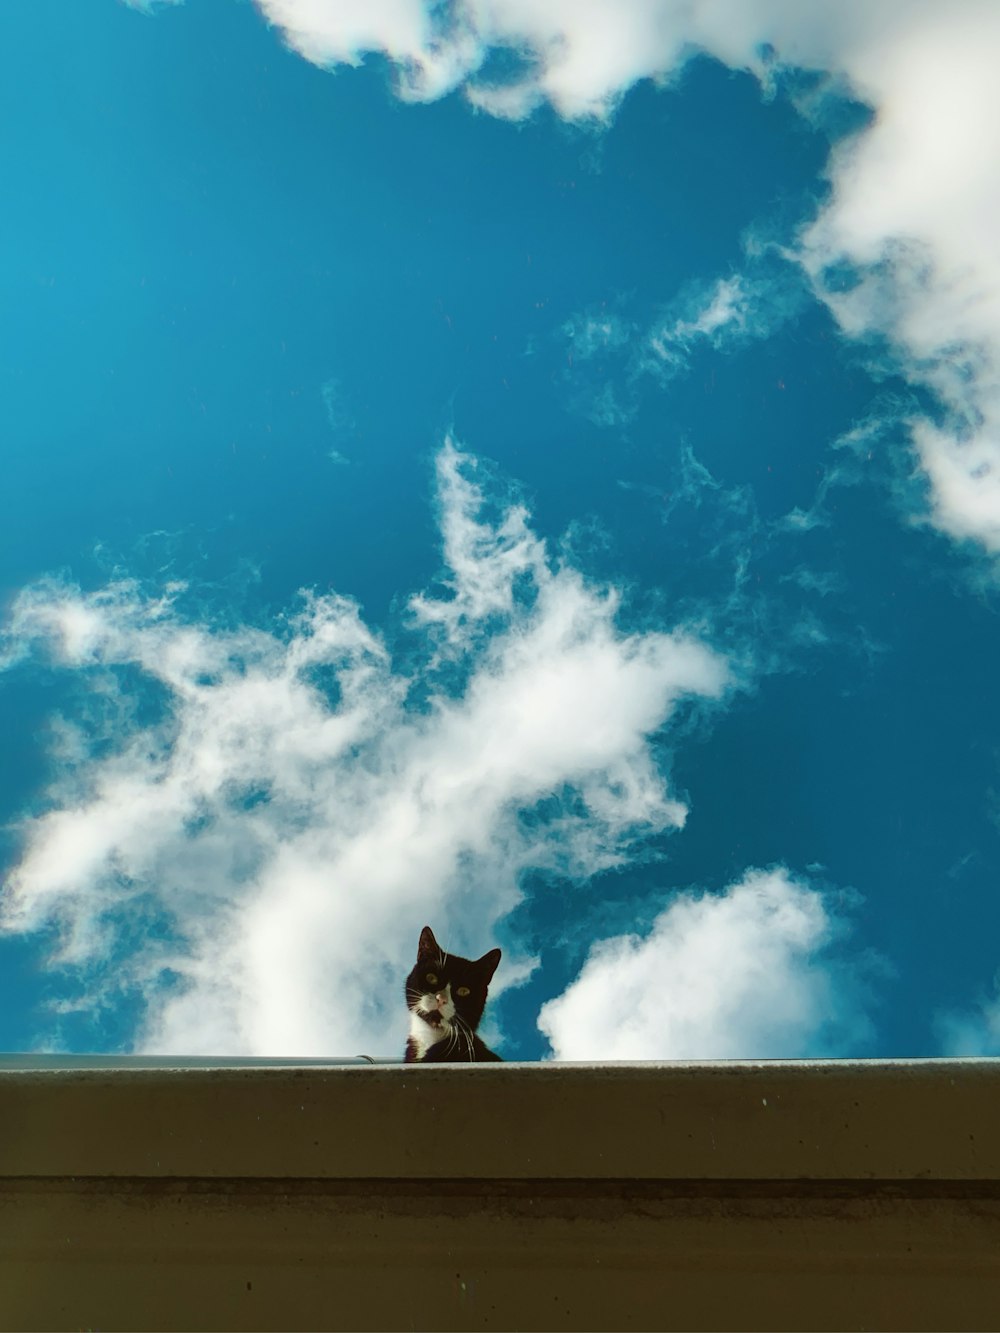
(463, 1027)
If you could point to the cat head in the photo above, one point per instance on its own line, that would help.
(442, 985)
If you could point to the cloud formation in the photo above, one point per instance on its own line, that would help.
(732, 310)
(607, 356)
(738, 975)
(150, 6)
(725, 309)
(974, 1031)
(250, 825)
(904, 252)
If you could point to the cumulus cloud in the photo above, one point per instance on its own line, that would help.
(432, 55)
(740, 974)
(904, 251)
(250, 825)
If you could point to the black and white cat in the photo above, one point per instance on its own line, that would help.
(446, 996)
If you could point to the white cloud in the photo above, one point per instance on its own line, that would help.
(486, 561)
(723, 314)
(150, 6)
(740, 974)
(258, 860)
(431, 61)
(971, 1032)
(915, 198)
(915, 195)
(596, 333)
(726, 307)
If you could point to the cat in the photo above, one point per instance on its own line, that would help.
(446, 996)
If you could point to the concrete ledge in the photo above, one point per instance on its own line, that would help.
(825, 1121)
(776, 1195)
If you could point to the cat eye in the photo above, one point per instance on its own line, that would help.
(462, 990)
(431, 979)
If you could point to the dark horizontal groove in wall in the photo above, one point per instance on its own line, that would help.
(549, 1188)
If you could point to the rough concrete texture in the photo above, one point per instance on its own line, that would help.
(831, 1195)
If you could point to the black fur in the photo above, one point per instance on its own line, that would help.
(434, 971)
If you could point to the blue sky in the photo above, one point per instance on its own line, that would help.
(531, 470)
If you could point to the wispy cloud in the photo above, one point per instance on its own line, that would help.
(724, 314)
(596, 333)
(607, 355)
(713, 317)
(338, 416)
(904, 251)
(600, 352)
(248, 843)
(740, 974)
(971, 1031)
(150, 6)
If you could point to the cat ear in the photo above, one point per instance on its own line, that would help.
(428, 946)
(489, 963)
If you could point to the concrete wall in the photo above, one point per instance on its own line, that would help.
(835, 1195)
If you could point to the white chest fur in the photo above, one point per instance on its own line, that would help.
(425, 1035)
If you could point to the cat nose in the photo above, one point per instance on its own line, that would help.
(441, 997)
